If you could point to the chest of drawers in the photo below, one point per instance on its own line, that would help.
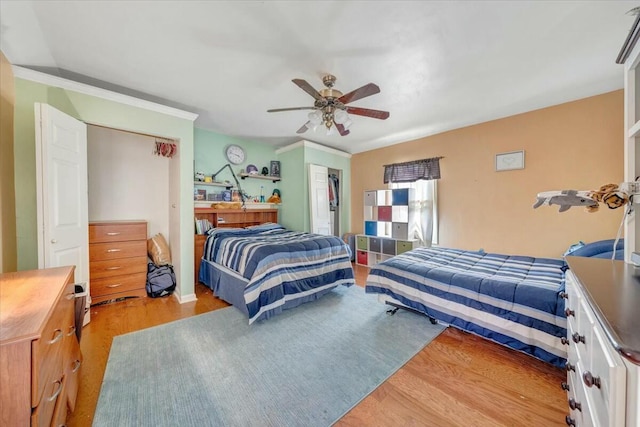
(602, 382)
(117, 259)
(39, 352)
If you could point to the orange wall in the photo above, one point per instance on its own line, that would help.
(577, 145)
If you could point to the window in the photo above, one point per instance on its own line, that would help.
(424, 207)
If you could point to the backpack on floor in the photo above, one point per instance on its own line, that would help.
(161, 280)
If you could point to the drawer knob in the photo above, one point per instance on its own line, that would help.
(113, 268)
(563, 295)
(564, 341)
(113, 233)
(564, 386)
(570, 367)
(76, 366)
(113, 250)
(570, 421)
(568, 312)
(590, 380)
(575, 405)
(114, 285)
(577, 338)
(72, 330)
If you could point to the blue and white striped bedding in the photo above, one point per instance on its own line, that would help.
(279, 265)
(513, 300)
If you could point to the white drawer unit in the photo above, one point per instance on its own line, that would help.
(602, 383)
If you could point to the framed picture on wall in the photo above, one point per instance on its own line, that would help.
(510, 161)
(275, 168)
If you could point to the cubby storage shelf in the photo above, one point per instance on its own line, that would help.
(388, 216)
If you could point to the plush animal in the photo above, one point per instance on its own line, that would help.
(565, 198)
(610, 195)
(275, 197)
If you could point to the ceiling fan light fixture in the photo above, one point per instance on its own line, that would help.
(330, 130)
(340, 117)
(330, 106)
(315, 117)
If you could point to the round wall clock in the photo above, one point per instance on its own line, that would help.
(235, 154)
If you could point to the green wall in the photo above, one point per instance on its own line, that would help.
(295, 207)
(296, 191)
(209, 158)
(107, 113)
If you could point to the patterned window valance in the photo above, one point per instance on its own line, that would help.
(412, 171)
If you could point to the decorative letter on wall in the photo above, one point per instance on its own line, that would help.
(510, 161)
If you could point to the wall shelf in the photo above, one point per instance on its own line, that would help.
(267, 177)
(214, 184)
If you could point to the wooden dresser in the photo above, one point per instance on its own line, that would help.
(117, 259)
(39, 352)
(227, 218)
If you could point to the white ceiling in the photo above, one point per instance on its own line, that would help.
(440, 65)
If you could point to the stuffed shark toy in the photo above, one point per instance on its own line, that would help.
(566, 199)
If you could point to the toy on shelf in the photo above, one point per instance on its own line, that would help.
(275, 197)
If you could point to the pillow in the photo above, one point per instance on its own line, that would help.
(600, 249)
(573, 248)
(267, 226)
(158, 250)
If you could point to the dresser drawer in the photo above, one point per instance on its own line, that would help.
(111, 285)
(117, 267)
(609, 373)
(114, 232)
(115, 250)
(48, 351)
(43, 411)
(72, 370)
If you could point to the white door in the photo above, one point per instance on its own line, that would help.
(62, 191)
(319, 199)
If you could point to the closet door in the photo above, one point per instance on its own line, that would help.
(319, 199)
(62, 191)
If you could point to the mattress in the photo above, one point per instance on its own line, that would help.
(512, 300)
(275, 267)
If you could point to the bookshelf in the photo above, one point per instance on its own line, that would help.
(388, 217)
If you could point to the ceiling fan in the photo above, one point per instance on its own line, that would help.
(330, 106)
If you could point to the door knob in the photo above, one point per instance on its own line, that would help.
(54, 241)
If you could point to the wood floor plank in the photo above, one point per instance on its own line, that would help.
(457, 380)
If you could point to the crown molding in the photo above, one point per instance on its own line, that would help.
(50, 80)
(315, 146)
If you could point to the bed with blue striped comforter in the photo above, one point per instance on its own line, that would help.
(513, 300)
(279, 265)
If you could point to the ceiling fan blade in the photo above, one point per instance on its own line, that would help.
(277, 110)
(304, 128)
(342, 130)
(362, 92)
(305, 86)
(376, 114)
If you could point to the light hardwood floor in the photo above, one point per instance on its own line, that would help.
(457, 380)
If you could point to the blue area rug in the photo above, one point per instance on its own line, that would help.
(305, 367)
